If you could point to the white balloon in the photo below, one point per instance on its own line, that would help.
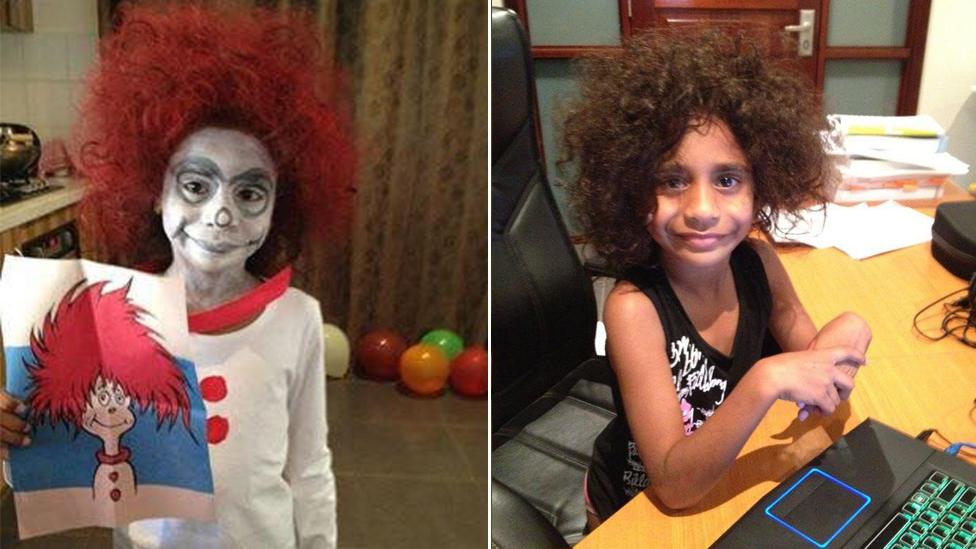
(336, 351)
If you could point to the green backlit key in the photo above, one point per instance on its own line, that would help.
(929, 488)
(908, 539)
(968, 497)
(919, 498)
(937, 507)
(919, 528)
(931, 542)
(948, 494)
(951, 519)
(962, 538)
(941, 530)
(929, 516)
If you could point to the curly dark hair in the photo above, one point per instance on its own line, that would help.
(172, 69)
(636, 106)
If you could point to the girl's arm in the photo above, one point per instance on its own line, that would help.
(789, 322)
(682, 469)
(308, 469)
(794, 330)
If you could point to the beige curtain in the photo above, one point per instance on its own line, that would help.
(417, 256)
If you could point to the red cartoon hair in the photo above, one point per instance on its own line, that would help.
(68, 359)
(169, 70)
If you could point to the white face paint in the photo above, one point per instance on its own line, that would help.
(218, 196)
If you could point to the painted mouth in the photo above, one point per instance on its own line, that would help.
(216, 248)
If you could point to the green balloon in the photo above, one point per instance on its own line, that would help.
(448, 342)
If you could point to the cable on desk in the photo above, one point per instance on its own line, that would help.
(960, 316)
(954, 449)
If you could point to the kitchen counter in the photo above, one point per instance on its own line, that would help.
(29, 209)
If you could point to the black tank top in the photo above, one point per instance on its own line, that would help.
(703, 376)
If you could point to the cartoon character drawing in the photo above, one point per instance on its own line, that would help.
(95, 383)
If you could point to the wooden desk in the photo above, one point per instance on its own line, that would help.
(909, 383)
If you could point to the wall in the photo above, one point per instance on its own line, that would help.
(949, 70)
(41, 72)
(948, 88)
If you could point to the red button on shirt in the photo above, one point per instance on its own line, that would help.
(214, 389)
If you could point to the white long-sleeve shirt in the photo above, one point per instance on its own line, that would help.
(273, 481)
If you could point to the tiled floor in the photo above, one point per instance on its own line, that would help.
(411, 472)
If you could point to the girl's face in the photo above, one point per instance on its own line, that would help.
(218, 196)
(704, 199)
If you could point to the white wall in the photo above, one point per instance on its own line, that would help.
(948, 88)
(41, 72)
(949, 69)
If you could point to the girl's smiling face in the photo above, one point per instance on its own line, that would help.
(704, 196)
(218, 197)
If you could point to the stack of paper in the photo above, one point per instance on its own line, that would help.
(859, 231)
(891, 157)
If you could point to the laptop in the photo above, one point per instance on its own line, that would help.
(875, 488)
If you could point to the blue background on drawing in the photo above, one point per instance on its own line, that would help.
(63, 457)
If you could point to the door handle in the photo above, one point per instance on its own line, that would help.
(804, 32)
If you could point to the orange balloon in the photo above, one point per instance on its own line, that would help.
(424, 369)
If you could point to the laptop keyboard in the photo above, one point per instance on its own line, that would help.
(941, 513)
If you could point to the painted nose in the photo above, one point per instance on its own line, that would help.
(701, 209)
(222, 218)
(111, 409)
(218, 213)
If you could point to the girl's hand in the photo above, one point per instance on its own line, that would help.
(13, 430)
(812, 377)
(806, 409)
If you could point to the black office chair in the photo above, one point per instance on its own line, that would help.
(550, 393)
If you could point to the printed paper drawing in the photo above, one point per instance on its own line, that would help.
(97, 352)
(92, 383)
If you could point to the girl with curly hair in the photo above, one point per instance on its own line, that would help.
(683, 144)
(216, 152)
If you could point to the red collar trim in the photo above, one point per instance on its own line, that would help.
(247, 306)
(118, 458)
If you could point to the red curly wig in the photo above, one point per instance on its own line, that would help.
(169, 70)
(68, 361)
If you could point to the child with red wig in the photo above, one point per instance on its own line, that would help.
(216, 152)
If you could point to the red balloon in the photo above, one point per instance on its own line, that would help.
(469, 372)
(378, 355)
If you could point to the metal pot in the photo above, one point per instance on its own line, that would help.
(20, 149)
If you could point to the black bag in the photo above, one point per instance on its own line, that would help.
(954, 237)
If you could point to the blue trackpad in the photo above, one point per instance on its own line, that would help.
(818, 507)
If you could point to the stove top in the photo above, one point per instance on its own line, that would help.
(15, 190)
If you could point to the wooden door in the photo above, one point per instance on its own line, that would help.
(765, 20)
